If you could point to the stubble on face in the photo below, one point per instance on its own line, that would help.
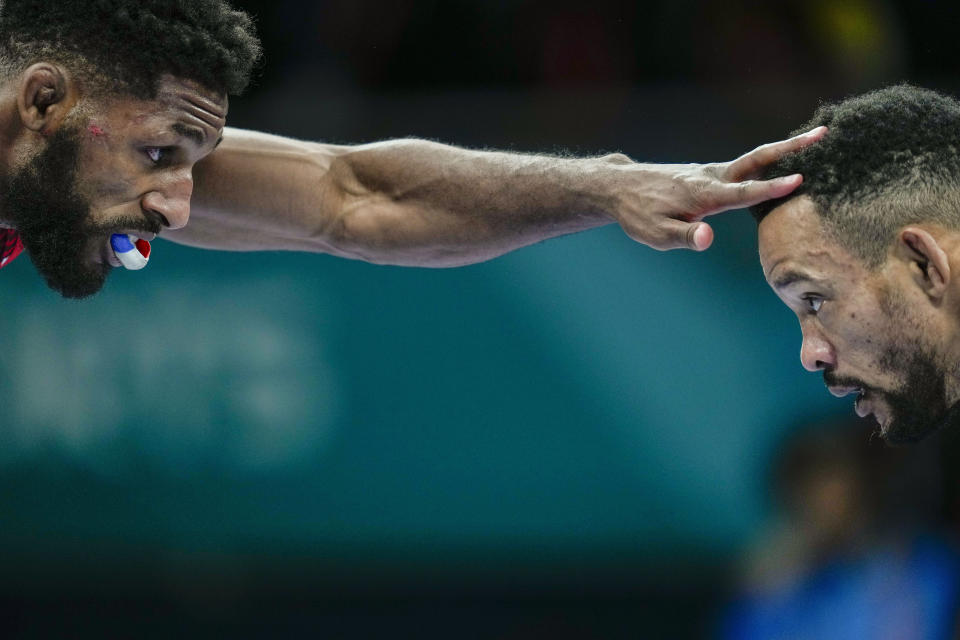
(919, 406)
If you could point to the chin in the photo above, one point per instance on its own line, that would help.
(888, 436)
(82, 283)
(907, 431)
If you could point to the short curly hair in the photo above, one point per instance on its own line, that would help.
(129, 44)
(891, 158)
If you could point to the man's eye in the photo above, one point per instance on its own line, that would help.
(813, 303)
(157, 155)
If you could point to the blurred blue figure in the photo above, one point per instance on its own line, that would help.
(860, 551)
(900, 594)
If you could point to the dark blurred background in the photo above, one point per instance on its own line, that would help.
(584, 439)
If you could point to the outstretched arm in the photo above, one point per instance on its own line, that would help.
(415, 202)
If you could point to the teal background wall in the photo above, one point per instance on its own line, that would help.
(586, 394)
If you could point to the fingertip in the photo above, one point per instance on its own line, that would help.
(793, 179)
(702, 237)
(785, 185)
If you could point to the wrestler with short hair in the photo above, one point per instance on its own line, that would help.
(867, 253)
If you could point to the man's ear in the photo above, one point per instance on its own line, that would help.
(927, 261)
(46, 95)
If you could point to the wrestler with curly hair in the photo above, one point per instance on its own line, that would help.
(110, 112)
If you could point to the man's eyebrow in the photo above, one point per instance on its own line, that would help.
(789, 278)
(192, 133)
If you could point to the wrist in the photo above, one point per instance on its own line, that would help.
(605, 181)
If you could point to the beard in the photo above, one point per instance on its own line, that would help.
(919, 406)
(54, 221)
(41, 202)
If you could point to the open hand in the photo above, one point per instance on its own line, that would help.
(664, 207)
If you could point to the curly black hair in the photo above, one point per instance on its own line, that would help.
(129, 44)
(891, 158)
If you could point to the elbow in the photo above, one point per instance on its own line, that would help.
(357, 232)
(383, 232)
(369, 222)
(375, 222)
(349, 227)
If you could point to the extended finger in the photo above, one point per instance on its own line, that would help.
(749, 165)
(737, 195)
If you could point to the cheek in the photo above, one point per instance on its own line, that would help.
(864, 337)
(864, 349)
(858, 337)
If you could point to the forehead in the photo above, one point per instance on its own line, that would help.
(178, 98)
(180, 91)
(792, 239)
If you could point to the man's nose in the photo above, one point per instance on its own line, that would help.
(171, 200)
(816, 352)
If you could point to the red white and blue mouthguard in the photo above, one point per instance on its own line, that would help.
(132, 252)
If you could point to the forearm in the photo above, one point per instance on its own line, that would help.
(423, 203)
(415, 202)
(404, 202)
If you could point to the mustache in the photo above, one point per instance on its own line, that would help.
(831, 379)
(150, 222)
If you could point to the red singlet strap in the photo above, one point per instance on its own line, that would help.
(10, 246)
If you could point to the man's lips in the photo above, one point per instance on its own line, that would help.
(143, 235)
(840, 392)
(107, 255)
(862, 404)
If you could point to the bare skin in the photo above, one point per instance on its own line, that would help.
(846, 316)
(405, 202)
(419, 203)
(137, 156)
